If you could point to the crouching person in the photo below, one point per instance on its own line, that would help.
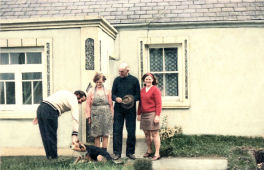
(47, 117)
(93, 153)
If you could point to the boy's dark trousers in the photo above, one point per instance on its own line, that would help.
(48, 125)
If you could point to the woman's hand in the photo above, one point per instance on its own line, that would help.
(157, 119)
(139, 117)
(89, 120)
(35, 121)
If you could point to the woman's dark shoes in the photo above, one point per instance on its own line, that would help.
(146, 155)
(155, 158)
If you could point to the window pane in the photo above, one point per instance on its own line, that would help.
(159, 78)
(4, 58)
(171, 84)
(156, 61)
(17, 58)
(89, 54)
(33, 58)
(7, 76)
(37, 85)
(27, 97)
(171, 59)
(31, 76)
(2, 93)
(10, 93)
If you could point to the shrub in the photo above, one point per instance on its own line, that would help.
(167, 132)
(143, 164)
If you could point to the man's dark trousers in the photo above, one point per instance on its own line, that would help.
(48, 125)
(129, 115)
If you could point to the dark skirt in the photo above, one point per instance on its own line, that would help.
(147, 121)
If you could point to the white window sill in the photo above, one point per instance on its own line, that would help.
(173, 102)
(176, 105)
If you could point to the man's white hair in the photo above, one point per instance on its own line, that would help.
(123, 66)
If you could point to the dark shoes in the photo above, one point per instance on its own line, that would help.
(131, 156)
(52, 157)
(116, 157)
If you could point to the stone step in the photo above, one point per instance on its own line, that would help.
(190, 164)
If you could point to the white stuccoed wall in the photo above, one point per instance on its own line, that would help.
(226, 84)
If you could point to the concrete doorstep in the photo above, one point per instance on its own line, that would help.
(190, 164)
(165, 163)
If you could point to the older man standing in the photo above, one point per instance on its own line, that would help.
(124, 84)
(47, 117)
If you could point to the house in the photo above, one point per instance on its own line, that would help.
(207, 54)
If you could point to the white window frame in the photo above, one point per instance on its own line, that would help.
(181, 43)
(18, 69)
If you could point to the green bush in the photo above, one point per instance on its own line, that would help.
(143, 164)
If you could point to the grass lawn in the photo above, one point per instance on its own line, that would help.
(238, 150)
(62, 163)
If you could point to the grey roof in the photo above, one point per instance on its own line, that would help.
(137, 11)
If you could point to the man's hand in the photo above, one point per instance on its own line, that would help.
(35, 121)
(75, 139)
(118, 100)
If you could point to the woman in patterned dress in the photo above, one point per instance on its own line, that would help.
(99, 111)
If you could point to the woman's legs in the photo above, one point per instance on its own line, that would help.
(148, 140)
(97, 141)
(105, 142)
(156, 139)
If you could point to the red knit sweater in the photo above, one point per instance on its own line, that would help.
(150, 101)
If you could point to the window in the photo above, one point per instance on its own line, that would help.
(7, 88)
(164, 65)
(21, 77)
(32, 87)
(20, 58)
(167, 59)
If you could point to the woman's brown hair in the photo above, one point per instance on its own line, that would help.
(98, 76)
(155, 81)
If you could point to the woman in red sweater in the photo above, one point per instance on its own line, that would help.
(149, 110)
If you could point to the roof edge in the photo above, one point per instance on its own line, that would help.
(192, 25)
(57, 22)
